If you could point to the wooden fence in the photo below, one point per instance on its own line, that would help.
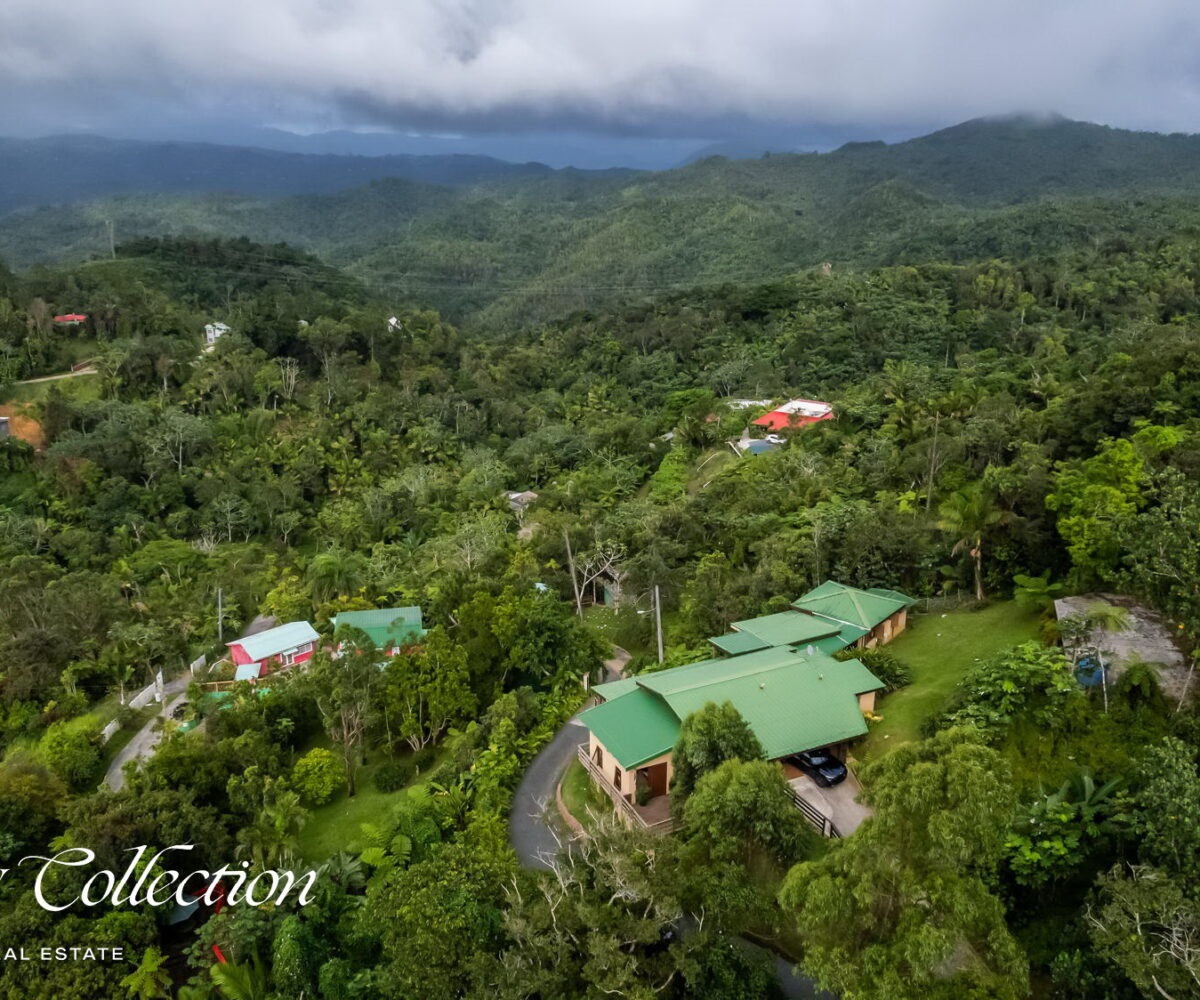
(816, 819)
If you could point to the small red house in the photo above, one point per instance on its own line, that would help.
(275, 649)
(795, 413)
(70, 319)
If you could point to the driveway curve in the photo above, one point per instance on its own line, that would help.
(535, 838)
(530, 831)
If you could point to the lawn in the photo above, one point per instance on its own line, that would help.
(940, 648)
(335, 826)
(581, 796)
(78, 388)
(629, 629)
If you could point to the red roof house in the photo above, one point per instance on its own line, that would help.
(70, 318)
(795, 413)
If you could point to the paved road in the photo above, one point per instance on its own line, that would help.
(534, 840)
(55, 378)
(144, 742)
(531, 836)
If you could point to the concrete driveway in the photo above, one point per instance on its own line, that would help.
(839, 802)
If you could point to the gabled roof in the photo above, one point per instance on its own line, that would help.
(792, 700)
(864, 608)
(737, 643)
(634, 728)
(384, 626)
(276, 640)
(786, 628)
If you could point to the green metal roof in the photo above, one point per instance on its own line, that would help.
(614, 689)
(865, 608)
(786, 628)
(635, 727)
(384, 626)
(791, 699)
(831, 644)
(737, 643)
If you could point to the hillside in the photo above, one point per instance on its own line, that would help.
(72, 168)
(525, 244)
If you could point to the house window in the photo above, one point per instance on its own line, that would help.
(617, 777)
(598, 757)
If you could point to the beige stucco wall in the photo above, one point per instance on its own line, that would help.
(866, 702)
(885, 631)
(627, 785)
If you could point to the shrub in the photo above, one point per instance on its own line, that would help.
(72, 751)
(393, 775)
(396, 774)
(317, 775)
(894, 673)
(670, 479)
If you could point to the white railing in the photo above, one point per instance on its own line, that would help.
(143, 697)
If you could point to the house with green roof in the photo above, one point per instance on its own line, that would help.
(777, 670)
(793, 698)
(388, 629)
(880, 613)
(830, 618)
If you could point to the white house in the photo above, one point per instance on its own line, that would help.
(212, 333)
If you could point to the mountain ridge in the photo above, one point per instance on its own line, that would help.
(522, 246)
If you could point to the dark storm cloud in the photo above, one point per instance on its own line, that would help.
(623, 66)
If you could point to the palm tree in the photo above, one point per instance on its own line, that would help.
(969, 515)
(1102, 617)
(149, 981)
(256, 842)
(334, 572)
(287, 817)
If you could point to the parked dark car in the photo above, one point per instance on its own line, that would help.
(820, 765)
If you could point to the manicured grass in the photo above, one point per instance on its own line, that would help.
(581, 796)
(940, 648)
(626, 629)
(335, 826)
(79, 388)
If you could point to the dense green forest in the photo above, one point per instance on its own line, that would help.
(1013, 419)
(528, 246)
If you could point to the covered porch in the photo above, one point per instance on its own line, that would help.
(655, 814)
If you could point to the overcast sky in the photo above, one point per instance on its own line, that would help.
(666, 71)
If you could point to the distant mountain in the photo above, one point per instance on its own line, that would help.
(64, 169)
(514, 245)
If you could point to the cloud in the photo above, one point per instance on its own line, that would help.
(625, 66)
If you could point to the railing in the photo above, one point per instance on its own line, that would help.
(210, 686)
(817, 819)
(624, 806)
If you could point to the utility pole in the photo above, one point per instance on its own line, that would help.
(112, 243)
(220, 621)
(658, 620)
